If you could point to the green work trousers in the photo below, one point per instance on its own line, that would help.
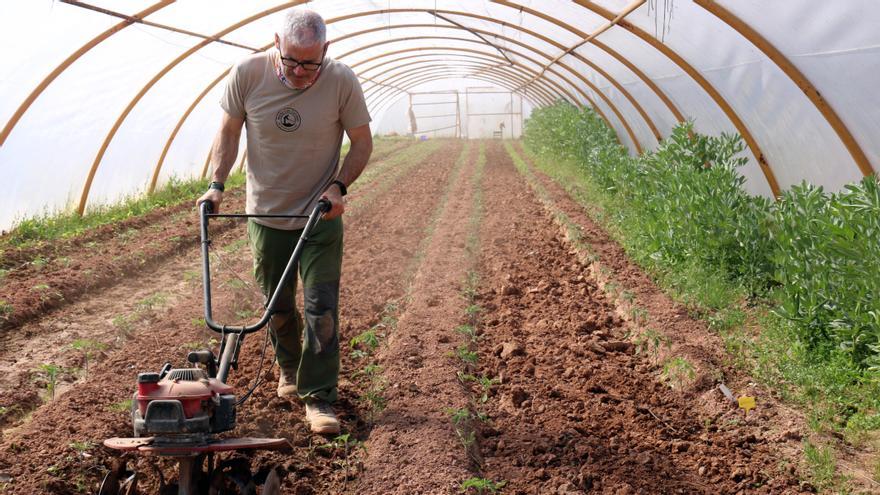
(311, 351)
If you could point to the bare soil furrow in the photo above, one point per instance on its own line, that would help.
(414, 447)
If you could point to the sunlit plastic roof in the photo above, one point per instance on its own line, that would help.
(106, 99)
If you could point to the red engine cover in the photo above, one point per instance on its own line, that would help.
(193, 394)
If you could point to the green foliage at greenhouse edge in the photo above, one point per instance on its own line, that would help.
(53, 226)
(813, 257)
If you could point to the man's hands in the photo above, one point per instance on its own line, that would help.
(334, 195)
(215, 196)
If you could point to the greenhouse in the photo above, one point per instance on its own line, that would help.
(591, 246)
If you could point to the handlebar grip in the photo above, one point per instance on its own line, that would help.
(324, 205)
(208, 206)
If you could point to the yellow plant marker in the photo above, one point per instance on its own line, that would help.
(747, 403)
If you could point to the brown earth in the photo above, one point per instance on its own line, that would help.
(576, 409)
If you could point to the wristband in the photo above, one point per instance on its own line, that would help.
(342, 189)
(217, 185)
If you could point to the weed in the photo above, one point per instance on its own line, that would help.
(152, 301)
(199, 322)
(246, 314)
(81, 447)
(41, 287)
(6, 309)
(481, 486)
(677, 372)
(39, 262)
(472, 310)
(121, 406)
(821, 464)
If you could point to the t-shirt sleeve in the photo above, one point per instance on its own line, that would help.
(232, 100)
(352, 105)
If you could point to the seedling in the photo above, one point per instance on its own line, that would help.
(638, 315)
(467, 356)
(81, 447)
(677, 372)
(51, 373)
(5, 308)
(124, 324)
(87, 348)
(368, 340)
(122, 406)
(460, 418)
(650, 341)
(468, 331)
(481, 486)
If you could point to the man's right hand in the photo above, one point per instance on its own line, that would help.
(214, 196)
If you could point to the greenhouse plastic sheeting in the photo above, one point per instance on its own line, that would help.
(535, 49)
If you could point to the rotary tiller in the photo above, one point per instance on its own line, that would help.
(179, 413)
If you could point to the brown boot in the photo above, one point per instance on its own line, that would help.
(321, 417)
(287, 383)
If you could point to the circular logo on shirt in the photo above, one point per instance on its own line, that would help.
(288, 120)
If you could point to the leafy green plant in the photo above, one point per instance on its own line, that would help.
(466, 355)
(51, 373)
(81, 446)
(821, 465)
(481, 486)
(650, 341)
(121, 406)
(677, 372)
(88, 348)
(461, 421)
(6, 308)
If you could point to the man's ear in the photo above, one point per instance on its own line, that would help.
(277, 42)
(326, 44)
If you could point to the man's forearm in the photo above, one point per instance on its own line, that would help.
(223, 154)
(355, 161)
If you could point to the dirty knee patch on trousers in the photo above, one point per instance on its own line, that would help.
(321, 315)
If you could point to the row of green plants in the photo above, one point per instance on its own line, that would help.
(56, 225)
(811, 258)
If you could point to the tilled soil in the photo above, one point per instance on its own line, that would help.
(432, 245)
(577, 410)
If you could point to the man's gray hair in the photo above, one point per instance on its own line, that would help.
(302, 27)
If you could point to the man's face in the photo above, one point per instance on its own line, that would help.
(301, 76)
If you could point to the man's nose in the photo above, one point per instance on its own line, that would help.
(299, 71)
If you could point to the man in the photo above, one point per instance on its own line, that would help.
(296, 103)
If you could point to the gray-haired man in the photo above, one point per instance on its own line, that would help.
(296, 103)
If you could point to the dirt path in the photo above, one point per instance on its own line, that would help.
(413, 446)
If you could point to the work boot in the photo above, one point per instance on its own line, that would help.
(287, 383)
(321, 417)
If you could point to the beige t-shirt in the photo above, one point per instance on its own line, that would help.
(293, 136)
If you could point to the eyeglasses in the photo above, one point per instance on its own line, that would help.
(292, 63)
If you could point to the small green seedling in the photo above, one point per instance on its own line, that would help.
(677, 372)
(481, 486)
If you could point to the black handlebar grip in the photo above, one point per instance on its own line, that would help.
(209, 206)
(324, 205)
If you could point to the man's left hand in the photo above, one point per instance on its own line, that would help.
(334, 195)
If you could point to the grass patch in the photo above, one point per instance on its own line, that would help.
(47, 227)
